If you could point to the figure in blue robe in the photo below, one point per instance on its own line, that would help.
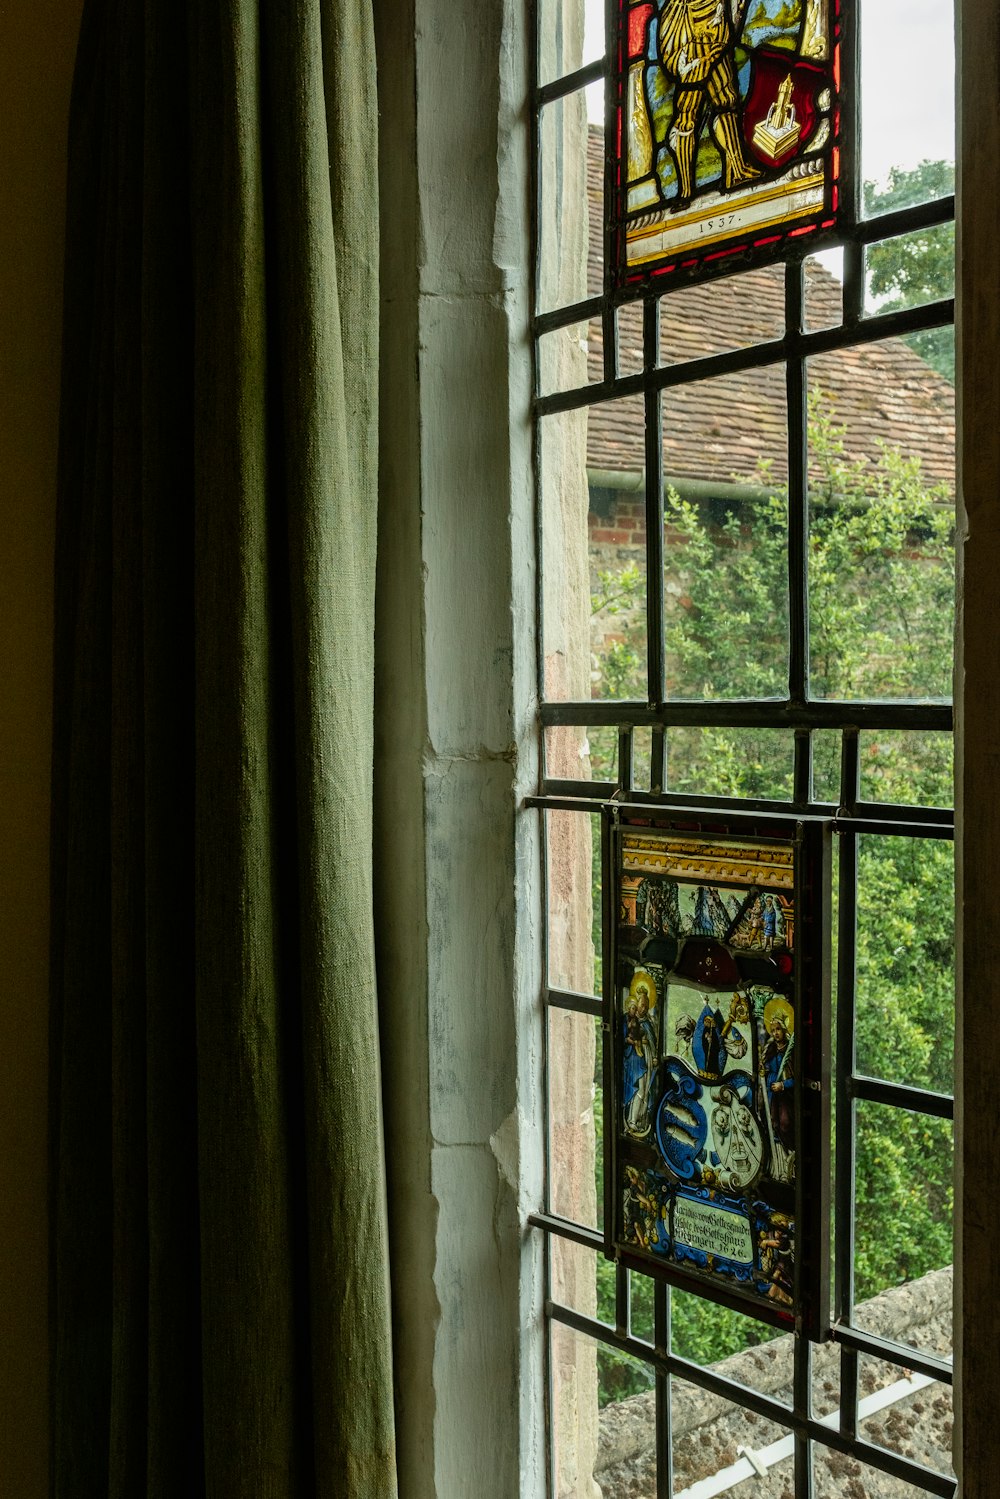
(779, 1081)
(638, 1063)
(707, 1043)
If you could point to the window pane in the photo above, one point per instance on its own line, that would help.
(630, 338)
(906, 961)
(907, 94)
(574, 1412)
(881, 554)
(602, 1415)
(709, 1435)
(567, 239)
(594, 553)
(573, 847)
(735, 312)
(707, 1334)
(906, 1413)
(569, 358)
(826, 1380)
(908, 767)
(617, 522)
(725, 556)
(576, 1176)
(910, 270)
(836, 1473)
(917, 1314)
(578, 754)
(824, 291)
(577, 1279)
(571, 34)
(642, 1317)
(913, 270)
(903, 1195)
(826, 748)
(642, 757)
(730, 762)
(617, 541)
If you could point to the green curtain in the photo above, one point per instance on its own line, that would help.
(220, 1299)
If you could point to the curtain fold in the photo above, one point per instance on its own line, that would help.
(220, 1302)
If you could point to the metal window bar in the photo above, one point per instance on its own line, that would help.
(844, 1111)
(664, 1415)
(864, 232)
(855, 1338)
(876, 328)
(819, 713)
(804, 1425)
(851, 817)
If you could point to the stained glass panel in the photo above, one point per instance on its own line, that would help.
(715, 1036)
(728, 129)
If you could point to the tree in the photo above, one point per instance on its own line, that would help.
(918, 267)
(881, 576)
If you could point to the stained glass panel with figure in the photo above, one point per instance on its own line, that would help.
(716, 1020)
(727, 130)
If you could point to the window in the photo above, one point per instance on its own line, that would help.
(747, 533)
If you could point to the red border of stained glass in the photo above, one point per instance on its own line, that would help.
(742, 249)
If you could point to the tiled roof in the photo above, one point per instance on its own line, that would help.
(721, 429)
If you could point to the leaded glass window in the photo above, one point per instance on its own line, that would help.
(745, 462)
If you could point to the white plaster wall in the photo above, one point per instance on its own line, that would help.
(457, 885)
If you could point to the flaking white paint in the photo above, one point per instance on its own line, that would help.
(458, 983)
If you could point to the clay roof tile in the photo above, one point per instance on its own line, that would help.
(880, 393)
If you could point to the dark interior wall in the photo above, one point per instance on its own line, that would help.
(977, 697)
(37, 41)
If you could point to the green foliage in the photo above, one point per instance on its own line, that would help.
(619, 670)
(619, 594)
(881, 580)
(905, 1026)
(881, 610)
(699, 1331)
(881, 573)
(881, 586)
(919, 267)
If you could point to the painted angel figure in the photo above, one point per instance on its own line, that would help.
(643, 1212)
(776, 1251)
(695, 41)
(755, 925)
(639, 1062)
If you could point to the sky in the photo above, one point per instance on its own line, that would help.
(907, 85)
